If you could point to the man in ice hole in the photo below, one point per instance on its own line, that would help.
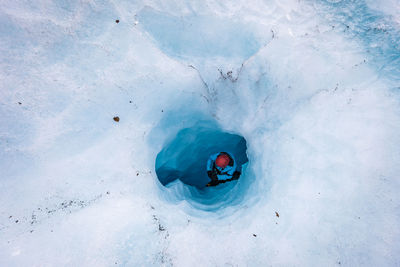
(221, 168)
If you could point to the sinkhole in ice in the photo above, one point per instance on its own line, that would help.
(182, 162)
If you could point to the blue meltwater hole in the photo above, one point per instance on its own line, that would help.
(186, 156)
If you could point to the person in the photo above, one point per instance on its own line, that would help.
(221, 167)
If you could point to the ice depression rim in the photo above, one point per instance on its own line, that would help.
(180, 166)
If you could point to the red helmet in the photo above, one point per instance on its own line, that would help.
(222, 160)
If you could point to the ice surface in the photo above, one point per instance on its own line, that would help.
(313, 87)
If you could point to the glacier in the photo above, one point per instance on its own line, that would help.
(309, 89)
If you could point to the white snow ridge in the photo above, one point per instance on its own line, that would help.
(93, 93)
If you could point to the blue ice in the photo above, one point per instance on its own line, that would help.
(185, 157)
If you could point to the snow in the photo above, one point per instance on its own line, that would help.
(312, 86)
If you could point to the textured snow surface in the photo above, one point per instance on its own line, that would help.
(313, 87)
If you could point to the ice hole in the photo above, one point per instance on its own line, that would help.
(185, 157)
